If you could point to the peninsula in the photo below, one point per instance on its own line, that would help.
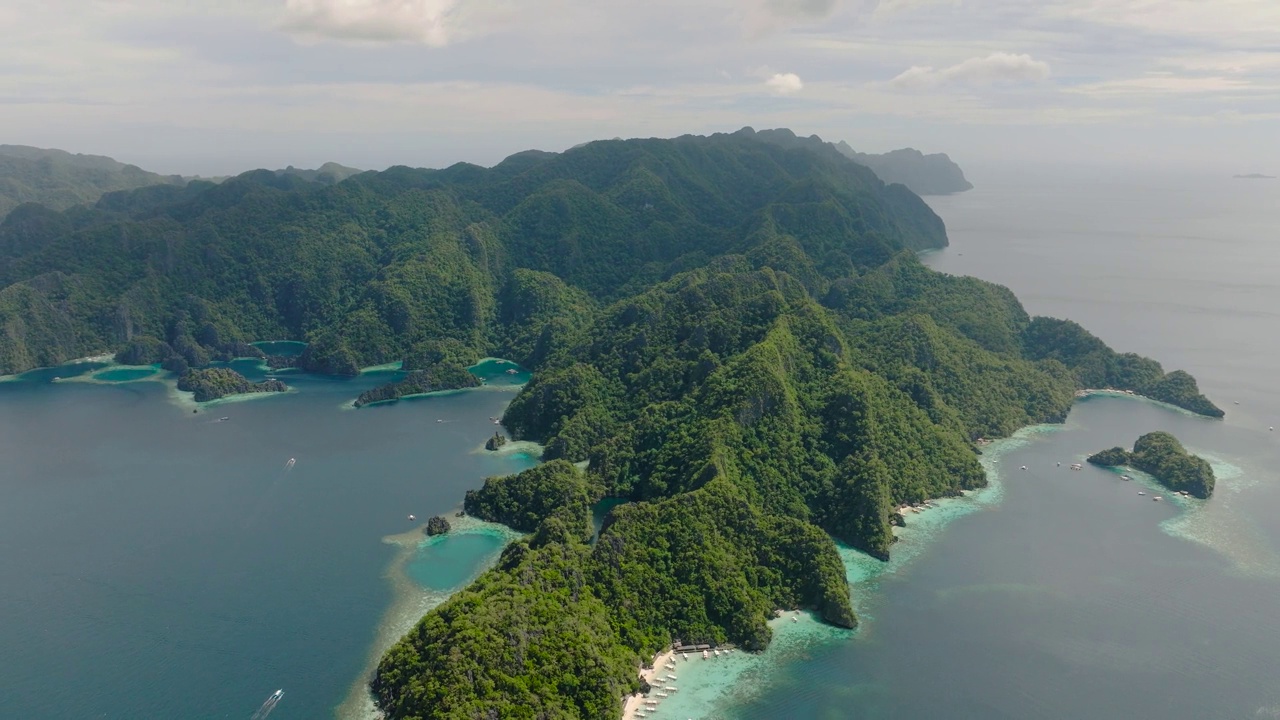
(735, 335)
(1160, 455)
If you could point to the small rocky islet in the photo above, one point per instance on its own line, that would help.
(1162, 456)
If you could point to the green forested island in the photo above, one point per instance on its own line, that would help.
(1161, 456)
(735, 334)
(214, 383)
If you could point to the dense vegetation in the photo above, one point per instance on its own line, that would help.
(734, 335)
(1098, 366)
(437, 525)
(213, 383)
(58, 180)
(1112, 457)
(1160, 455)
(921, 174)
(441, 376)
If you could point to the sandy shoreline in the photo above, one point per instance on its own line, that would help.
(636, 702)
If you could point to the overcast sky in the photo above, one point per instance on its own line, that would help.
(218, 86)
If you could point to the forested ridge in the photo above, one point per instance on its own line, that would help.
(58, 179)
(736, 336)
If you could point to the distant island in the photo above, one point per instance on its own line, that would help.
(1254, 176)
(732, 335)
(932, 174)
(920, 173)
(1160, 455)
(215, 383)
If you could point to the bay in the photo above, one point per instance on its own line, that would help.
(163, 563)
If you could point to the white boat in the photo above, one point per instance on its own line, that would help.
(1024, 467)
(1125, 477)
(412, 517)
(1141, 493)
(705, 654)
(1157, 497)
(793, 619)
(660, 694)
(717, 653)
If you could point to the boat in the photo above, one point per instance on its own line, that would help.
(1125, 477)
(717, 653)
(277, 694)
(223, 419)
(1141, 493)
(1024, 467)
(660, 694)
(793, 619)
(412, 517)
(705, 654)
(290, 463)
(1157, 497)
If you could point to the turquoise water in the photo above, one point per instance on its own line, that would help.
(64, 372)
(126, 374)
(498, 372)
(285, 348)
(449, 561)
(162, 563)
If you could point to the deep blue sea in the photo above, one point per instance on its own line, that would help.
(159, 563)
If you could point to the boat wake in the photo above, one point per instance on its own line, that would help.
(268, 706)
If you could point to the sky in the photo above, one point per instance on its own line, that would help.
(221, 86)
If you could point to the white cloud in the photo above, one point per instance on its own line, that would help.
(430, 22)
(993, 69)
(784, 83)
